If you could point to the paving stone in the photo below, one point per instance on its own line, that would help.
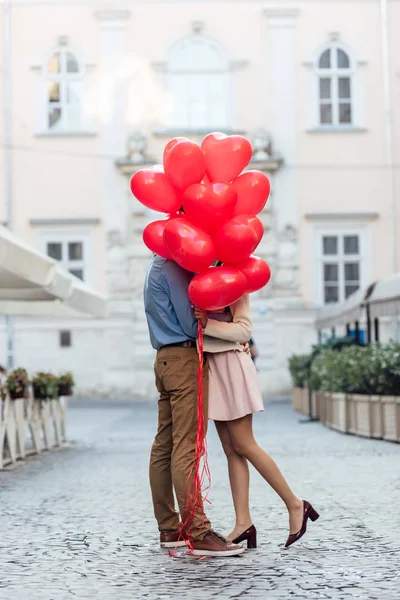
(79, 523)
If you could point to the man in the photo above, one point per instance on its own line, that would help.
(173, 332)
(253, 350)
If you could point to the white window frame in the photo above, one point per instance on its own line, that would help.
(354, 73)
(340, 230)
(84, 76)
(64, 236)
(224, 71)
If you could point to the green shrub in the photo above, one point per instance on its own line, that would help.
(299, 369)
(370, 369)
(44, 385)
(299, 364)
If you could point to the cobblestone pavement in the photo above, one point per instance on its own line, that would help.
(78, 523)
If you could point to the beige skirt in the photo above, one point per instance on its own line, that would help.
(234, 390)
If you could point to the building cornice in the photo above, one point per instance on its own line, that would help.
(113, 15)
(56, 221)
(281, 13)
(342, 216)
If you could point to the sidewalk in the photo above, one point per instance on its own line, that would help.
(79, 524)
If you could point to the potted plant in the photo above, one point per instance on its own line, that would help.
(65, 384)
(44, 386)
(17, 383)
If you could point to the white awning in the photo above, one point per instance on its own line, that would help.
(349, 311)
(33, 284)
(82, 302)
(26, 274)
(85, 300)
(385, 299)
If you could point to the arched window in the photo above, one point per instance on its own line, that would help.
(334, 71)
(198, 82)
(64, 92)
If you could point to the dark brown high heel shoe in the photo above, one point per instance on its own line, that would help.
(250, 535)
(309, 513)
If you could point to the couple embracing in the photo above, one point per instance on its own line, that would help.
(231, 396)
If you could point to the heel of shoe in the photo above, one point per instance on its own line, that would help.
(249, 536)
(313, 515)
(252, 542)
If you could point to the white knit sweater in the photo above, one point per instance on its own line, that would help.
(220, 336)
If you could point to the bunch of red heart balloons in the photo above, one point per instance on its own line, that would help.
(212, 208)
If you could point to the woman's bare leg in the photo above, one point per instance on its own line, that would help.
(242, 439)
(239, 478)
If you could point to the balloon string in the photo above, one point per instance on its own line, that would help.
(199, 479)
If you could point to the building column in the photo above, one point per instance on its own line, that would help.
(118, 341)
(282, 125)
(114, 134)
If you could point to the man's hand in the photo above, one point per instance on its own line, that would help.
(202, 315)
(246, 347)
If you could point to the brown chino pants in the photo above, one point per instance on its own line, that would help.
(173, 452)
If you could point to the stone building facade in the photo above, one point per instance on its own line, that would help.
(96, 89)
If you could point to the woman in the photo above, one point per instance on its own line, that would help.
(234, 395)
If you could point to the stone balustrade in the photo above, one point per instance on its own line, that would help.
(30, 426)
(375, 417)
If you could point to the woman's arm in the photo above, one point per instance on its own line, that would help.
(239, 330)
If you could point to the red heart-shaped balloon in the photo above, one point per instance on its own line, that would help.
(171, 144)
(217, 287)
(256, 271)
(209, 205)
(184, 163)
(226, 156)
(153, 236)
(252, 189)
(190, 246)
(235, 240)
(152, 188)
(256, 225)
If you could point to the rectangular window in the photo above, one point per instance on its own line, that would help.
(340, 266)
(335, 98)
(65, 339)
(199, 100)
(71, 253)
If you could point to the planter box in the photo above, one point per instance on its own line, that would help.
(339, 412)
(321, 405)
(376, 417)
(315, 404)
(296, 399)
(328, 416)
(352, 413)
(40, 393)
(65, 390)
(18, 395)
(391, 418)
(365, 416)
(305, 401)
(333, 411)
(300, 399)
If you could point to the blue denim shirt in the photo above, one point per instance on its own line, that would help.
(168, 309)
